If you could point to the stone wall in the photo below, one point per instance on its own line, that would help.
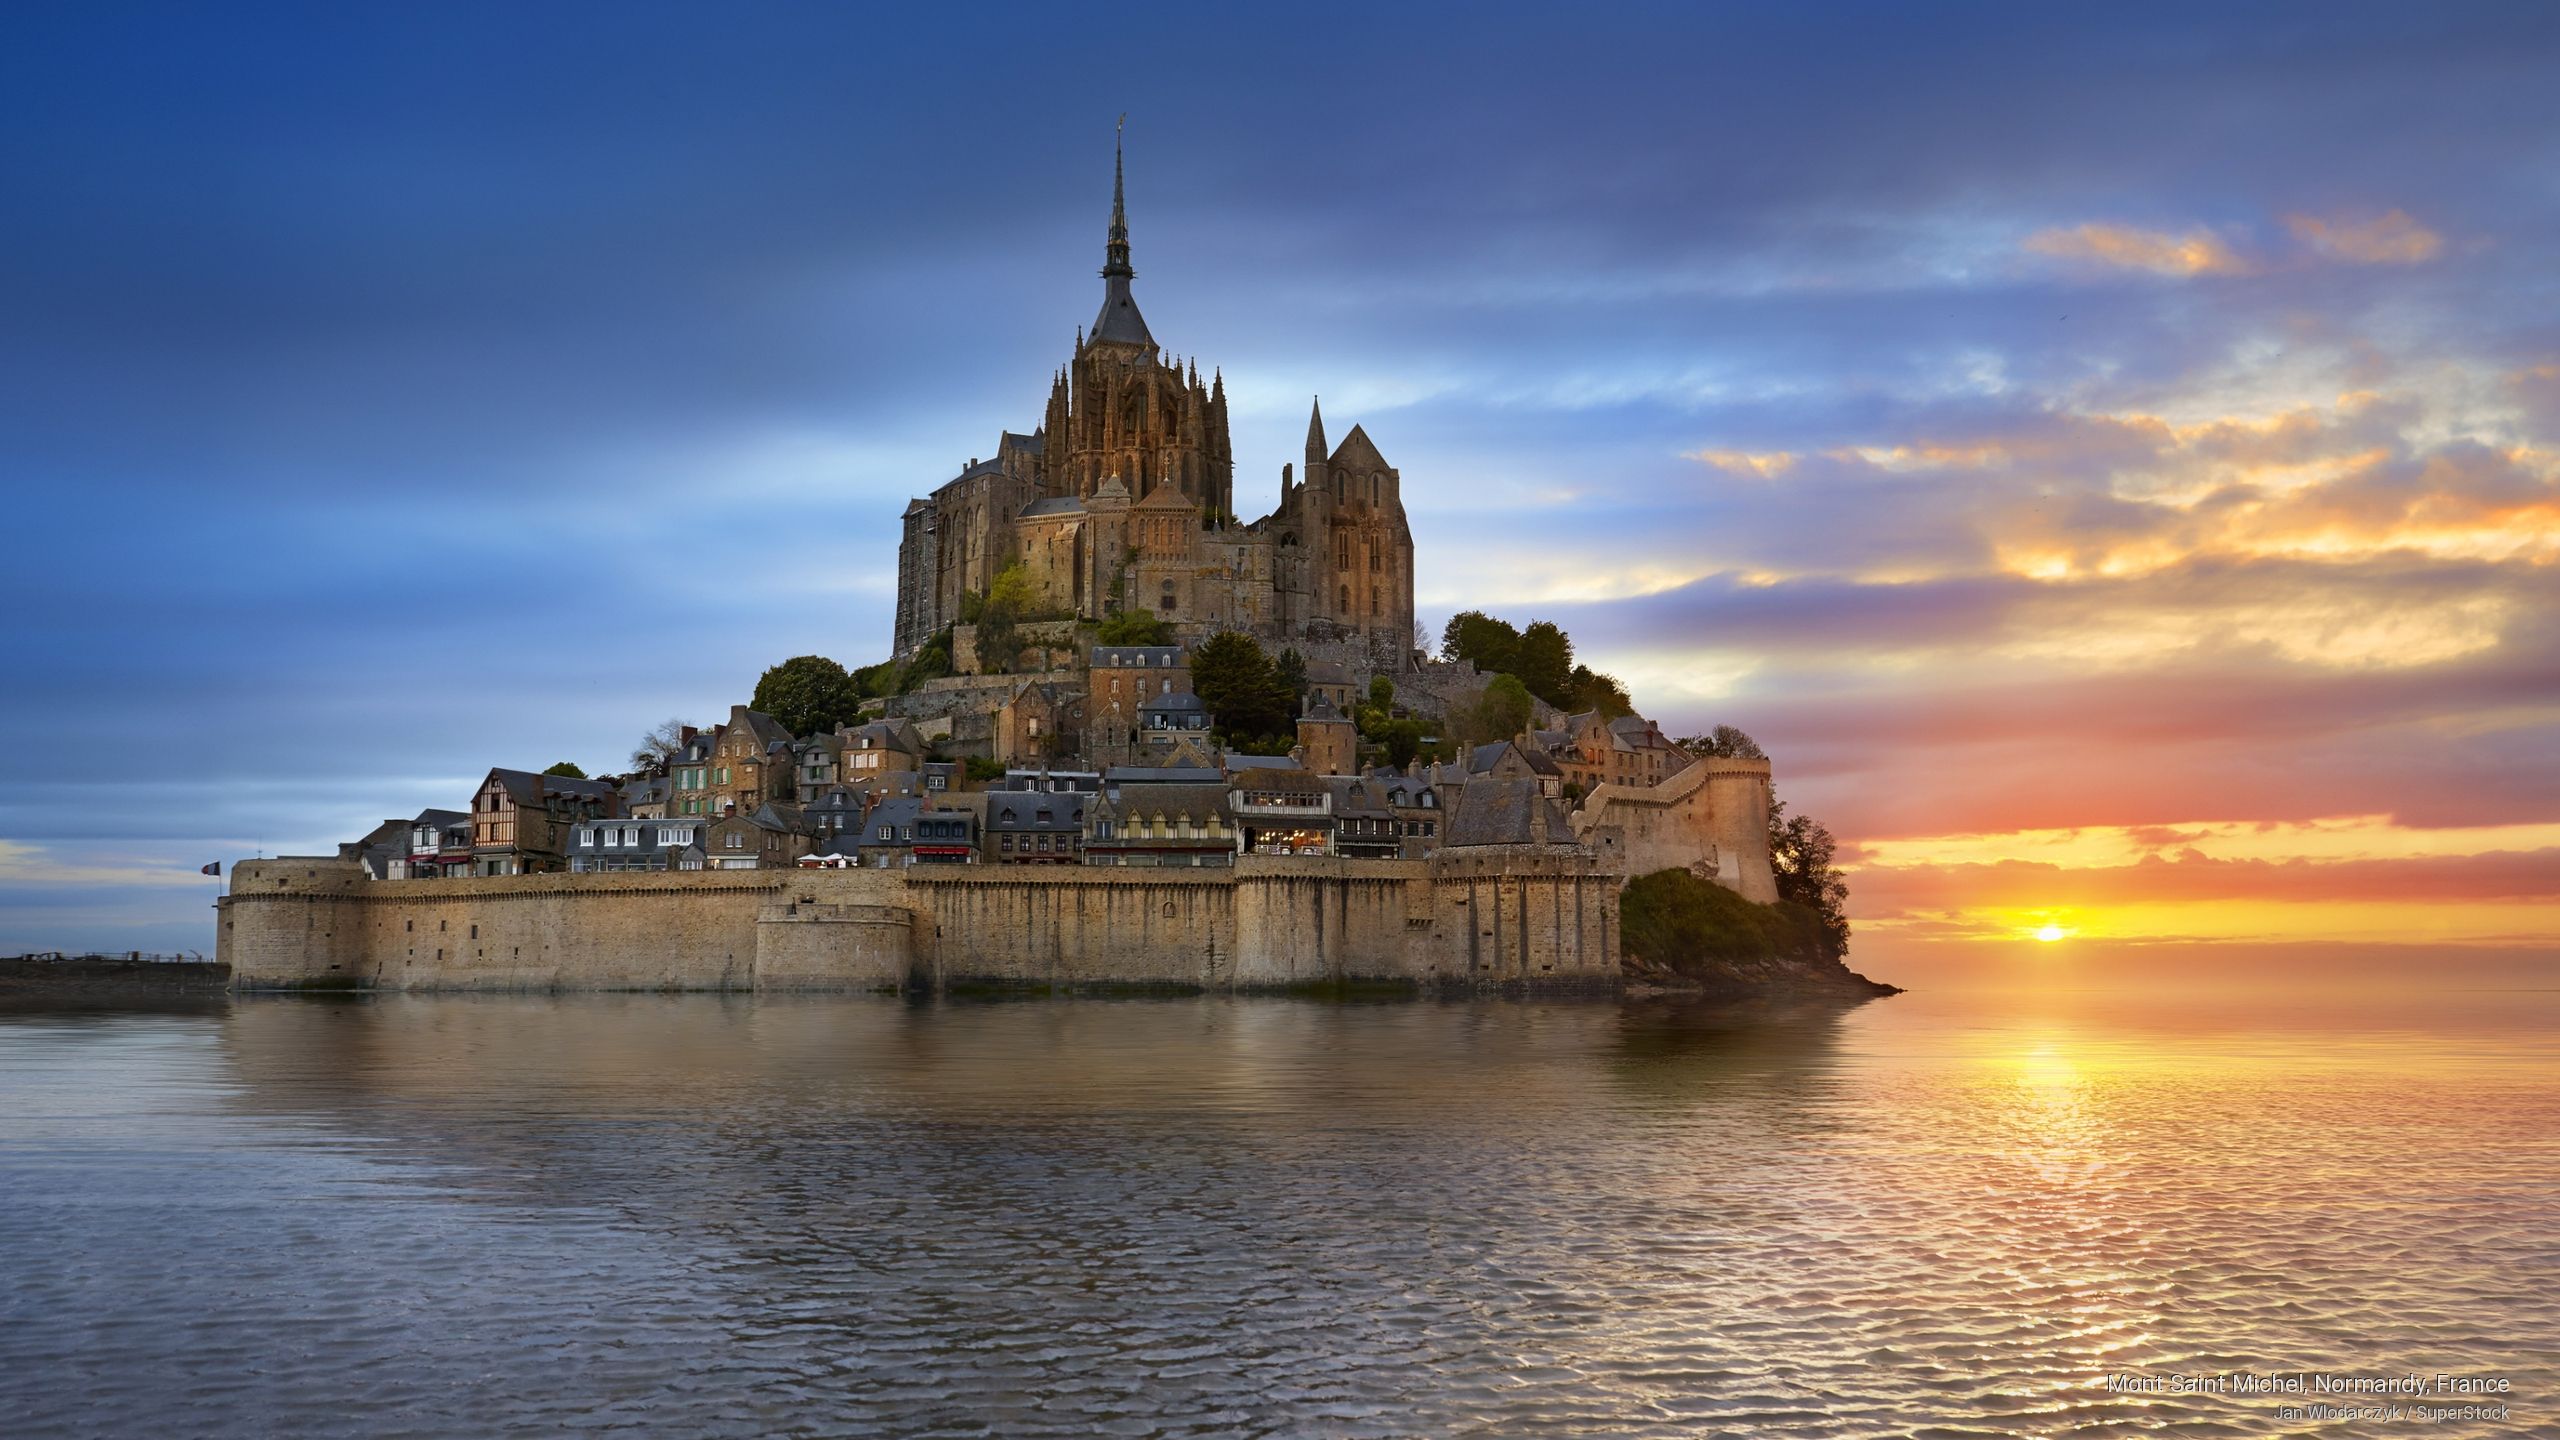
(1712, 816)
(1496, 915)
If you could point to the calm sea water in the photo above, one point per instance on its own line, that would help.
(1942, 1215)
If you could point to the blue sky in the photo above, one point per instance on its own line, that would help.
(2031, 421)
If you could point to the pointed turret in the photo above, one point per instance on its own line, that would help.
(1119, 323)
(1315, 435)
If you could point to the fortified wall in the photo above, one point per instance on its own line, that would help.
(1713, 815)
(1487, 915)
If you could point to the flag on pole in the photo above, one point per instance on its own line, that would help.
(213, 869)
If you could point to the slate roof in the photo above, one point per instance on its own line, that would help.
(441, 817)
(1483, 758)
(843, 845)
(1359, 798)
(1504, 812)
(767, 730)
(1173, 702)
(784, 818)
(529, 788)
(889, 815)
(1022, 810)
(897, 735)
(1119, 775)
(836, 799)
(1197, 801)
(1054, 505)
(1292, 781)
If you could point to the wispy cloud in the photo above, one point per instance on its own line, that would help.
(2194, 252)
(36, 865)
(2392, 238)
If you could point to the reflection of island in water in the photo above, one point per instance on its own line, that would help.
(725, 1215)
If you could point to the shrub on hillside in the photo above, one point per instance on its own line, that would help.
(1675, 919)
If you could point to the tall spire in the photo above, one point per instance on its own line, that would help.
(1119, 323)
(1315, 435)
(1115, 263)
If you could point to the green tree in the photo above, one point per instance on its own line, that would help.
(932, 661)
(1382, 691)
(1802, 852)
(1473, 635)
(1500, 713)
(1289, 672)
(873, 681)
(1134, 627)
(1012, 588)
(982, 769)
(1401, 739)
(807, 694)
(1544, 662)
(1725, 743)
(1591, 690)
(1240, 686)
(567, 769)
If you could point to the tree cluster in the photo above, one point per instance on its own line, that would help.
(1247, 696)
(1540, 656)
(808, 695)
(1404, 738)
(1724, 742)
(1133, 627)
(1801, 851)
(1501, 712)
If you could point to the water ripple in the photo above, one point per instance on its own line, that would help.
(474, 1216)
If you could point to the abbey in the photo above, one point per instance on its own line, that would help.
(1123, 498)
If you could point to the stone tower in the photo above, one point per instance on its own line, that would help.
(1328, 743)
(1123, 498)
(1121, 407)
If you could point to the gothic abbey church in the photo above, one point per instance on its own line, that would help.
(1124, 499)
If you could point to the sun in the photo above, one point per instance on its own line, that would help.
(2051, 932)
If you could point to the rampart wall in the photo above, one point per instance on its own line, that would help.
(1713, 813)
(1541, 915)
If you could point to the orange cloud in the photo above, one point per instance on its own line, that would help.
(2198, 252)
(2390, 239)
(1762, 465)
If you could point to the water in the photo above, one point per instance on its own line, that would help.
(1942, 1215)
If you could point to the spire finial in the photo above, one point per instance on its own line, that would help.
(1119, 323)
(1116, 253)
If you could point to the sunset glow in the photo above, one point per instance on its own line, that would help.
(2138, 522)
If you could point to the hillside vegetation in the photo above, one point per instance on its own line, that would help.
(1676, 927)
